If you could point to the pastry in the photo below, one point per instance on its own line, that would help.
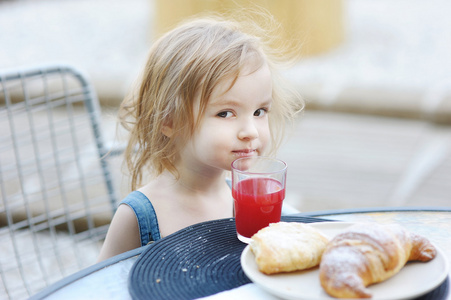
(286, 247)
(366, 254)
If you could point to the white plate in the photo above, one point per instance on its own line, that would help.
(414, 280)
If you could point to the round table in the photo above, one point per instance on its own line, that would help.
(109, 279)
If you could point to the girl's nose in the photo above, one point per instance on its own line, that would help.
(248, 130)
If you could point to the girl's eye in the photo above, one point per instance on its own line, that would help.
(260, 112)
(225, 114)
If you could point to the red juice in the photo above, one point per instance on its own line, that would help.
(258, 202)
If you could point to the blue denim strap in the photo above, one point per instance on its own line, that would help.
(146, 216)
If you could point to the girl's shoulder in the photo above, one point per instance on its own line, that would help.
(145, 215)
(135, 196)
(140, 203)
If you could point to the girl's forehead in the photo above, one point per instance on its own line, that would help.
(249, 85)
(227, 83)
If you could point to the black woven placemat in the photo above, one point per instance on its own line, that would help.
(202, 260)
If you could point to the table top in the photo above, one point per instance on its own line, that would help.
(109, 279)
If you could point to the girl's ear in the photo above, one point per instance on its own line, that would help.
(167, 130)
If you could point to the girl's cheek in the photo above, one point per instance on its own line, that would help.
(267, 139)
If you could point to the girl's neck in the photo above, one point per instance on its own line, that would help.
(197, 183)
(191, 199)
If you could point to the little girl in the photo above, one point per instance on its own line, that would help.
(209, 94)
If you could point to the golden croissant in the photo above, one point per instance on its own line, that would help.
(367, 254)
(286, 247)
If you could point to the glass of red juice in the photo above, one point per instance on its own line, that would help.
(258, 189)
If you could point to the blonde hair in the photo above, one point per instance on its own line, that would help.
(188, 61)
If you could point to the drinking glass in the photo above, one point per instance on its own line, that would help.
(258, 190)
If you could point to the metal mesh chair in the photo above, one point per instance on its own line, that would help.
(57, 195)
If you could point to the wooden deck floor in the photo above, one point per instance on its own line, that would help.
(339, 161)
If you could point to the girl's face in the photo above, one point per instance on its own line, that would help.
(235, 123)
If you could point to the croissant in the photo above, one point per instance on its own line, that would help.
(366, 254)
(286, 247)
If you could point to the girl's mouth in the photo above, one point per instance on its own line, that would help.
(245, 152)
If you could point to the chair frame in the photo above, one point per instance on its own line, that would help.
(39, 94)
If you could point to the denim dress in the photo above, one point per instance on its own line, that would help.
(146, 216)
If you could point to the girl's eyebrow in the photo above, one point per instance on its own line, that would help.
(225, 102)
(232, 102)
